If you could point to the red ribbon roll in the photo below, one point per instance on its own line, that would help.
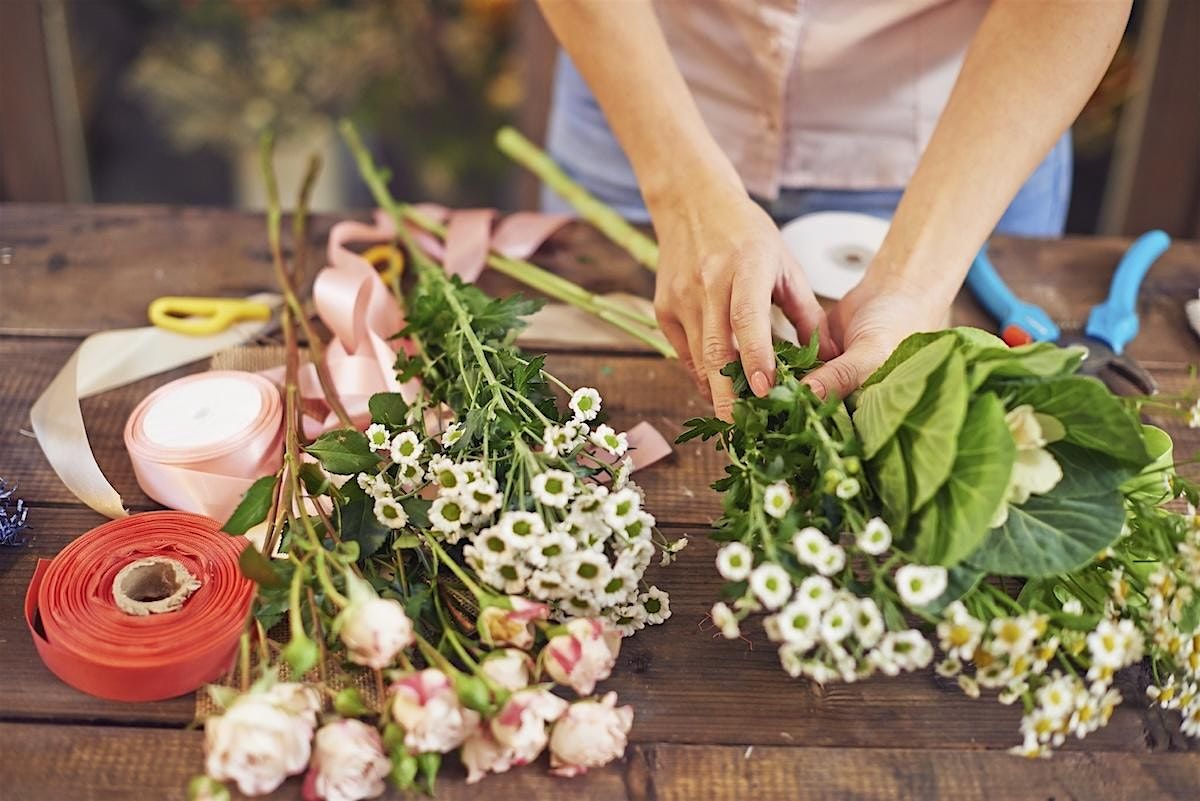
(93, 646)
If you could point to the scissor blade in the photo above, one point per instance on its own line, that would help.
(1121, 374)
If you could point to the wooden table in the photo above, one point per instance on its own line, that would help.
(714, 719)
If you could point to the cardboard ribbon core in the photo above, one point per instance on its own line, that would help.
(152, 586)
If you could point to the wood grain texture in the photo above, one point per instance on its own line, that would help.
(51, 763)
(677, 676)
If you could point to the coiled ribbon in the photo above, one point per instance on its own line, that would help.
(91, 645)
(198, 443)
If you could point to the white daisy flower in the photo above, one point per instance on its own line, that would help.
(585, 403)
(847, 488)
(833, 562)
(550, 548)
(494, 546)
(638, 554)
(410, 476)
(406, 448)
(390, 513)
(376, 486)
(606, 438)
(868, 622)
(908, 648)
(837, 622)
(771, 584)
(798, 623)
(546, 585)
(621, 507)
(446, 474)
(561, 440)
(447, 514)
(812, 546)
(1057, 697)
(816, 592)
(657, 605)
(1012, 636)
(875, 538)
(777, 499)
(452, 434)
(725, 620)
(513, 577)
(588, 570)
(553, 488)
(377, 437)
(624, 471)
(641, 527)
(523, 529)
(959, 632)
(920, 585)
(621, 588)
(734, 561)
(483, 496)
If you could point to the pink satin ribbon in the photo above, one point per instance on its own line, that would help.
(207, 480)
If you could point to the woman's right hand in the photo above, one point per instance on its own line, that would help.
(722, 263)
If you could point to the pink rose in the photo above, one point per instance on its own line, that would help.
(521, 724)
(500, 626)
(591, 733)
(347, 763)
(508, 667)
(426, 705)
(374, 631)
(257, 743)
(483, 754)
(583, 655)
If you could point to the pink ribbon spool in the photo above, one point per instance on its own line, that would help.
(198, 443)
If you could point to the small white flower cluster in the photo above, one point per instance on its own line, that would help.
(583, 547)
(1193, 419)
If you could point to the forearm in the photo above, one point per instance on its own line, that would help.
(1027, 73)
(621, 52)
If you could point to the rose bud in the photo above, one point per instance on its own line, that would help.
(508, 667)
(583, 655)
(511, 626)
(256, 744)
(347, 763)
(521, 724)
(482, 754)
(373, 629)
(426, 704)
(591, 733)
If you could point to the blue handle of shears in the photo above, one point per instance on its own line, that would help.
(1115, 321)
(1009, 310)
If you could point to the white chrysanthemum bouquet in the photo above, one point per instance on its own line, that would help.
(885, 534)
(475, 555)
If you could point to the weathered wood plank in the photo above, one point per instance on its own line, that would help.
(85, 763)
(635, 389)
(685, 684)
(78, 269)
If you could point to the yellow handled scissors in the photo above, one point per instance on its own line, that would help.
(204, 316)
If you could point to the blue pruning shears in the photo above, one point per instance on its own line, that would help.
(1111, 325)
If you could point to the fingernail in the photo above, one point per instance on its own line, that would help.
(816, 386)
(759, 383)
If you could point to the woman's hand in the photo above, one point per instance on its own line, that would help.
(868, 324)
(722, 264)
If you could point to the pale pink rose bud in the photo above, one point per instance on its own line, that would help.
(521, 724)
(347, 763)
(500, 626)
(256, 744)
(426, 704)
(583, 655)
(300, 700)
(509, 667)
(374, 631)
(591, 733)
(482, 754)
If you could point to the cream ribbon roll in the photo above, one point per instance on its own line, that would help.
(834, 248)
(198, 443)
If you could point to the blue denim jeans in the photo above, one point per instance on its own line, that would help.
(579, 139)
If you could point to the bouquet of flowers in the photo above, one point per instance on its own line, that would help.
(469, 552)
(885, 533)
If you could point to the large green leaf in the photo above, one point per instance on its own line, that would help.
(928, 435)
(253, 508)
(953, 525)
(359, 524)
(1086, 472)
(388, 408)
(1035, 360)
(1051, 534)
(1092, 416)
(911, 344)
(882, 407)
(343, 452)
(891, 479)
(1150, 485)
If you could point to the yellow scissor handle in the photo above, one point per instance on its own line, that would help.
(391, 258)
(204, 316)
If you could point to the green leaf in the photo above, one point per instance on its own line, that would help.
(1150, 485)
(254, 507)
(960, 580)
(417, 510)
(344, 452)
(1087, 472)
(703, 427)
(349, 703)
(928, 435)
(882, 407)
(957, 520)
(1035, 360)
(904, 351)
(388, 408)
(316, 481)
(891, 479)
(1051, 534)
(258, 568)
(359, 524)
(1091, 414)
